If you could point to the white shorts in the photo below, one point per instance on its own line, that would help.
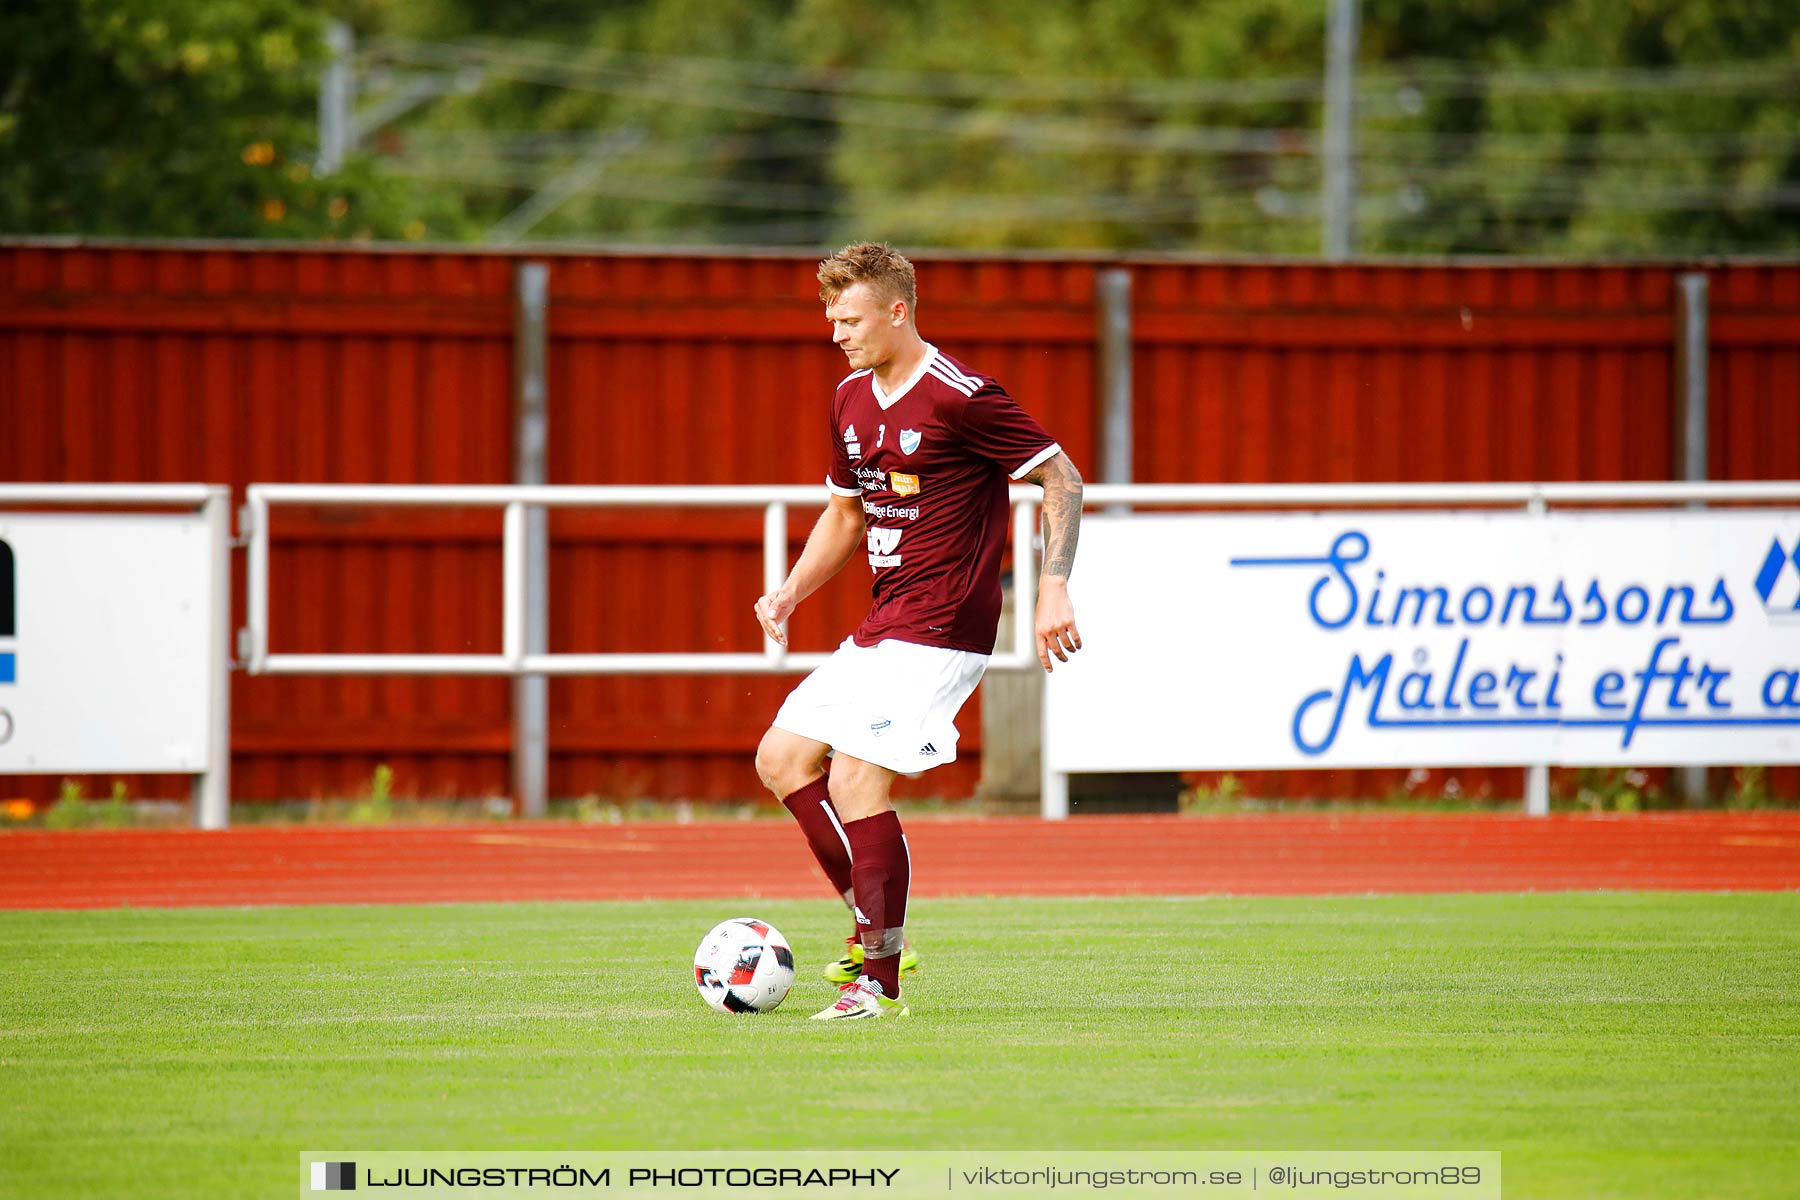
(893, 704)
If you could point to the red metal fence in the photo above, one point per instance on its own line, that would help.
(241, 364)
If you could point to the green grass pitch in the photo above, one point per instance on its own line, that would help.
(1642, 1045)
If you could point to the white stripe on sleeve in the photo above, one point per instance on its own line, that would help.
(951, 380)
(960, 374)
(1037, 460)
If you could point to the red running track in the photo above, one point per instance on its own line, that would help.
(1255, 855)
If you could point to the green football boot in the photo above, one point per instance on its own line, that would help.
(846, 969)
(861, 1000)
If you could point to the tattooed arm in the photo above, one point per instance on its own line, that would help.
(1056, 632)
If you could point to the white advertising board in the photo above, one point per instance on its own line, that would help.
(104, 662)
(1437, 639)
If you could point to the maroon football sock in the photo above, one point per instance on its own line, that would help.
(811, 806)
(881, 870)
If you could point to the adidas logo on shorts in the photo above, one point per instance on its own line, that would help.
(928, 749)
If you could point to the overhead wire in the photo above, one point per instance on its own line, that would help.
(763, 194)
(1083, 134)
(1779, 74)
(963, 108)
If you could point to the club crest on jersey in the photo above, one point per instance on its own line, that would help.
(903, 484)
(909, 440)
(852, 443)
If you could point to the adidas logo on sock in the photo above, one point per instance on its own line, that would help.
(928, 749)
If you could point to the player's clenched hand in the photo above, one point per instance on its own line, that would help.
(772, 611)
(1056, 632)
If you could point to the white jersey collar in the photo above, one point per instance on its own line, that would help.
(886, 401)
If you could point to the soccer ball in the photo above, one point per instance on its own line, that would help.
(744, 966)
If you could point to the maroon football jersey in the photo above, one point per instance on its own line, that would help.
(931, 464)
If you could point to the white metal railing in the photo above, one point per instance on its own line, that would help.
(1350, 495)
(513, 658)
(101, 495)
(776, 501)
(212, 787)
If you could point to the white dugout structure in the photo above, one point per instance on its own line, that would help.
(1226, 627)
(115, 654)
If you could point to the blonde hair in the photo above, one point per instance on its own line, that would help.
(877, 264)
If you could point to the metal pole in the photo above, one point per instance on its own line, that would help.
(775, 564)
(1690, 378)
(1112, 291)
(1338, 203)
(1053, 785)
(1537, 791)
(256, 589)
(1691, 402)
(531, 424)
(1025, 524)
(212, 787)
(337, 96)
(514, 597)
(1537, 776)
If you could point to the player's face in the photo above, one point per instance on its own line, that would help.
(865, 329)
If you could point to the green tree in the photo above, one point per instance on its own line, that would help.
(1570, 126)
(1590, 127)
(1558, 127)
(182, 118)
(641, 102)
(1132, 124)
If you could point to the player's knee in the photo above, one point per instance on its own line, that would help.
(782, 764)
(857, 789)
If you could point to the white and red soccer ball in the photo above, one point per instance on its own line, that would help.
(744, 966)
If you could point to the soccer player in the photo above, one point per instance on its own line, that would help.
(922, 448)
